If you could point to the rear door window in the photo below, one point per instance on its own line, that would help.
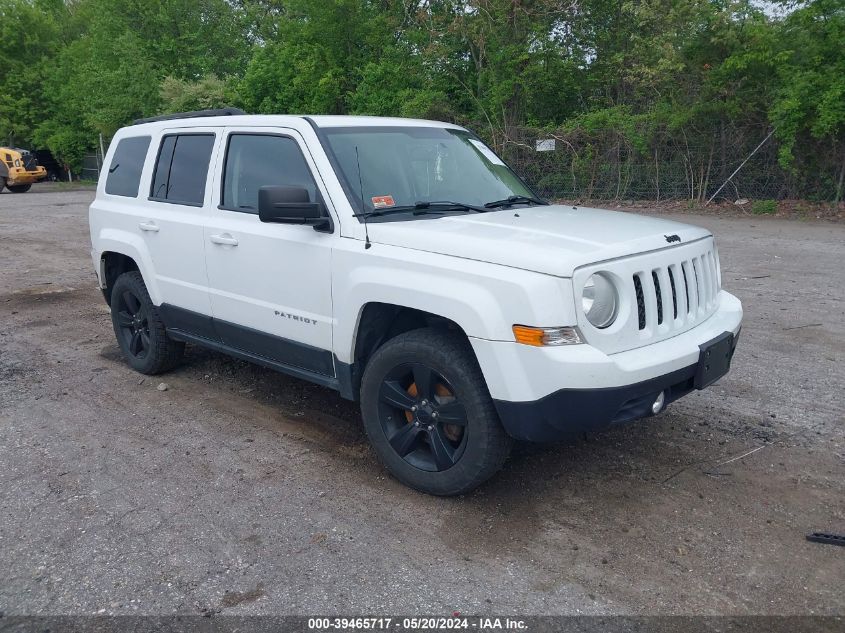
(124, 175)
(182, 169)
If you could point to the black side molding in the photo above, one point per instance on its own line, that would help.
(296, 372)
(275, 348)
(182, 320)
(284, 355)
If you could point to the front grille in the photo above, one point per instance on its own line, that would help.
(696, 276)
(674, 294)
(659, 296)
(656, 289)
(662, 293)
(638, 290)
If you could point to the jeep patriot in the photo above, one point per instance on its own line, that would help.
(404, 264)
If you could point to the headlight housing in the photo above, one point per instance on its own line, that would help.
(599, 300)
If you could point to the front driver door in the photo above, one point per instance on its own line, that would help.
(270, 284)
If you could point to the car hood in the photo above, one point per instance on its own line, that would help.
(554, 239)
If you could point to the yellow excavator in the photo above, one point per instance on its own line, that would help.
(19, 169)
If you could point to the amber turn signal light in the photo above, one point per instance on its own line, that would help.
(546, 336)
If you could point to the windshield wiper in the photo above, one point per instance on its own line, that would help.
(511, 200)
(422, 208)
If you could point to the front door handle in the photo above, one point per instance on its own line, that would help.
(224, 238)
(148, 226)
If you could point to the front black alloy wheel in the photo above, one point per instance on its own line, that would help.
(422, 418)
(139, 329)
(429, 415)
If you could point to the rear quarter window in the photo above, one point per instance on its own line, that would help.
(124, 175)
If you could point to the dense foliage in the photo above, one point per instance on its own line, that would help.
(644, 98)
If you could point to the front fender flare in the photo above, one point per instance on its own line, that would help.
(474, 308)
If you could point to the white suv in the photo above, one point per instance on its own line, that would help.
(402, 263)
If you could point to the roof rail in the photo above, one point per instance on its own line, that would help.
(191, 115)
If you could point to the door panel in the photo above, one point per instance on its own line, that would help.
(171, 220)
(270, 284)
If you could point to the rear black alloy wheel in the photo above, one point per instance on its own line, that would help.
(429, 415)
(139, 329)
(134, 322)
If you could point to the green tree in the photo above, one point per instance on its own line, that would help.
(809, 105)
(113, 66)
(29, 39)
(180, 95)
(688, 87)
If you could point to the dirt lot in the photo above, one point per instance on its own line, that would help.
(238, 490)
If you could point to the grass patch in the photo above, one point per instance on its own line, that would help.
(764, 207)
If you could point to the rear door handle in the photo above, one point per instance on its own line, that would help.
(148, 226)
(224, 238)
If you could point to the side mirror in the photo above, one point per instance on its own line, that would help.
(291, 205)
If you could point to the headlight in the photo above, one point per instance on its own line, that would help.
(599, 300)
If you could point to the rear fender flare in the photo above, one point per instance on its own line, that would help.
(125, 243)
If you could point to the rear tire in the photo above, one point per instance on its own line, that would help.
(19, 188)
(429, 415)
(2, 183)
(139, 329)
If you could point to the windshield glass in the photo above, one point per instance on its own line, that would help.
(402, 166)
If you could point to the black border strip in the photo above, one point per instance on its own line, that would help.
(212, 621)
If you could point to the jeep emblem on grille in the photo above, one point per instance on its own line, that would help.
(672, 238)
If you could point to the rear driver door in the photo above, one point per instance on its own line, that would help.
(170, 222)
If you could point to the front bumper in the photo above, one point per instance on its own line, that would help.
(574, 411)
(21, 177)
(547, 393)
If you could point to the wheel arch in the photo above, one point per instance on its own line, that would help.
(112, 265)
(120, 242)
(379, 322)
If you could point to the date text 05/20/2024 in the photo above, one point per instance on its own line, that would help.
(417, 623)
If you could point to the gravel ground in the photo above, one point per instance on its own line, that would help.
(239, 490)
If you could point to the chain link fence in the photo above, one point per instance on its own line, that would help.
(92, 165)
(573, 167)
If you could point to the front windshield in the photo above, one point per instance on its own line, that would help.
(404, 166)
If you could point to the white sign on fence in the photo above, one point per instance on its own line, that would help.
(545, 145)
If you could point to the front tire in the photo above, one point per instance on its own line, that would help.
(429, 415)
(2, 183)
(19, 188)
(139, 329)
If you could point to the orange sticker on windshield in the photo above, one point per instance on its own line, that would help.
(379, 202)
